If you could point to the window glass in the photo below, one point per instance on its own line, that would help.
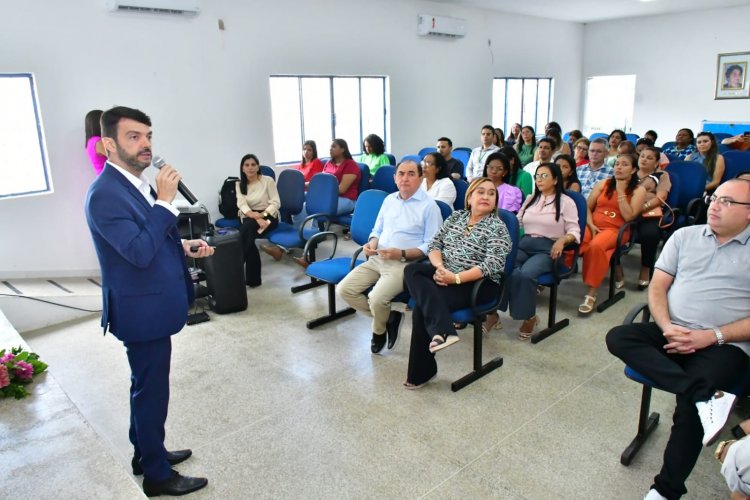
(527, 101)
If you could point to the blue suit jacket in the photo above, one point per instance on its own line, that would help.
(145, 284)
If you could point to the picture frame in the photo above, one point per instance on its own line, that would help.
(732, 80)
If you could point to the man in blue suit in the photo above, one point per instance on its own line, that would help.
(145, 285)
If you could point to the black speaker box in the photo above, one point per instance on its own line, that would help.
(225, 274)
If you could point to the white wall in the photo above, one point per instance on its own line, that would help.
(674, 59)
(207, 91)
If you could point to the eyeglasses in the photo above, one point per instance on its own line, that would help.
(427, 163)
(723, 200)
(582, 148)
(542, 176)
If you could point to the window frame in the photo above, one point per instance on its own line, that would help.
(356, 149)
(519, 119)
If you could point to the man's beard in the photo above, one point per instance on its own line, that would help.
(132, 160)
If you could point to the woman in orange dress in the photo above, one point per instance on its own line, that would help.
(612, 203)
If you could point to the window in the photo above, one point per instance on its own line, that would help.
(527, 101)
(24, 166)
(609, 104)
(322, 108)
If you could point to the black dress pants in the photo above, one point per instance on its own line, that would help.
(249, 233)
(432, 314)
(691, 377)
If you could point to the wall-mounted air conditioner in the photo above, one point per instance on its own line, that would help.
(440, 26)
(192, 7)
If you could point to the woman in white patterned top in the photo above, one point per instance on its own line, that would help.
(470, 245)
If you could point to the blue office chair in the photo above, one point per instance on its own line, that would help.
(461, 187)
(720, 136)
(622, 247)
(321, 204)
(364, 184)
(668, 144)
(391, 158)
(477, 313)
(384, 179)
(734, 163)
(266, 170)
(632, 137)
(647, 423)
(598, 135)
(467, 150)
(415, 158)
(445, 209)
(291, 188)
(331, 271)
(689, 198)
(463, 157)
(424, 151)
(560, 272)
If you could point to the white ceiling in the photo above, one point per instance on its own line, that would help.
(587, 11)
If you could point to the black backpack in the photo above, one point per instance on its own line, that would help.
(228, 198)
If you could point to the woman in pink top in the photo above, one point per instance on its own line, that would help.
(550, 221)
(310, 165)
(497, 169)
(94, 146)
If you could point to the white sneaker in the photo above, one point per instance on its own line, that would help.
(653, 495)
(714, 414)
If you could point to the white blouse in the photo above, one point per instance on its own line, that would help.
(442, 189)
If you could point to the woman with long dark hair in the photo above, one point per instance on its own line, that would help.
(497, 169)
(549, 219)
(514, 135)
(526, 146)
(94, 146)
(707, 154)
(374, 153)
(518, 177)
(569, 175)
(612, 203)
(614, 139)
(311, 164)
(258, 203)
(436, 179)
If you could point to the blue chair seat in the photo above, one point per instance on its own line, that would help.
(287, 236)
(333, 270)
(466, 315)
(224, 222)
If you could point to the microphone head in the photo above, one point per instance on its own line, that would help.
(158, 161)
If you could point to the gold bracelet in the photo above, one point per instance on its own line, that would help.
(458, 278)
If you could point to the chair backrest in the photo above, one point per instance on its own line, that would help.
(511, 222)
(668, 144)
(445, 209)
(415, 158)
(291, 187)
(424, 151)
(580, 202)
(461, 187)
(462, 156)
(468, 150)
(266, 170)
(597, 135)
(322, 194)
(384, 179)
(692, 181)
(632, 137)
(364, 178)
(391, 158)
(734, 163)
(366, 211)
(674, 192)
(720, 136)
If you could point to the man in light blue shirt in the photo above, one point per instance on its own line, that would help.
(405, 225)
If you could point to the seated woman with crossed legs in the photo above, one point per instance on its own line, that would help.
(470, 245)
(612, 203)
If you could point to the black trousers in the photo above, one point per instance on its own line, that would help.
(691, 377)
(649, 235)
(249, 233)
(432, 314)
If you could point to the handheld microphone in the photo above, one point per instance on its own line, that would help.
(159, 162)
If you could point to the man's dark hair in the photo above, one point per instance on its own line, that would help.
(489, 127)
(450, 143)
(548, 140)
(690, 132)
(112, 117)
(418, 164)
(653, 134)
(644, 140)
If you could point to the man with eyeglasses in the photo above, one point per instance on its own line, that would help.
(699, 341)
(595, 170)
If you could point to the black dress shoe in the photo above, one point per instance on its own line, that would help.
(174, 486)
(173, 457)
(393, 327)
(377, 343)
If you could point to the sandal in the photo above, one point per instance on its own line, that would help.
(459, 326)
(440, 342)
(587, 306)
(642, 284)
(527, 328)
(412, 387)
(492, 321)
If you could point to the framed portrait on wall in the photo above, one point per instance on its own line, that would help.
(732, 80)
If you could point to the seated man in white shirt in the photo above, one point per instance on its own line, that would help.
(544, 149)
(479, 155)
(406, 223)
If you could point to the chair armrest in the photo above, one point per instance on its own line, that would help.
(309, 218)
(619, 250)
(475, 293)
(318, 238)
(356, 253)
(635, 311)
(575, 247)
(693, 209)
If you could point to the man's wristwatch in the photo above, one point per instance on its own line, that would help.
(265, 215)
(403, 256)
(719, 336)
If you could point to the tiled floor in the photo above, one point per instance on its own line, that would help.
(273, 410)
